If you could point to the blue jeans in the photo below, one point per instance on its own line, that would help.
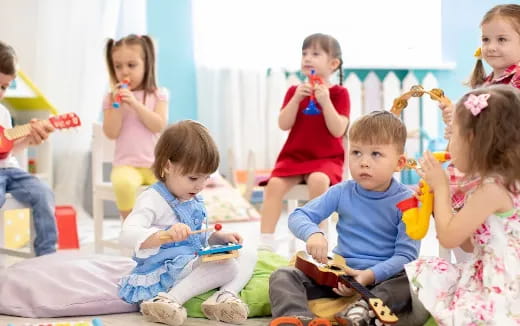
(30, 191)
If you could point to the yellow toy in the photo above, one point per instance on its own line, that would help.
(401, 102)
(417, 218)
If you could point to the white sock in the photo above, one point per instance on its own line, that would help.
(267, 242)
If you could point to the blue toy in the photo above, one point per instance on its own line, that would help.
(219, 252)
(312, 108)
(215, 249)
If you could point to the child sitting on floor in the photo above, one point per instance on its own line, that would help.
(371, 234)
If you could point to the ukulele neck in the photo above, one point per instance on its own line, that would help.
(351, 282)
(17, 132)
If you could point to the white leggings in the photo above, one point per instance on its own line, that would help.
(230, 274)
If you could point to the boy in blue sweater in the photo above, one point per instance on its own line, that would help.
(371, 234)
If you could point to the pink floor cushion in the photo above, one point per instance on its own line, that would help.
(64, 284)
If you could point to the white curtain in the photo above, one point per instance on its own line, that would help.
(60, 44)
(240, 107)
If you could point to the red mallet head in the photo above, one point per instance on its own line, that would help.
(218, 227)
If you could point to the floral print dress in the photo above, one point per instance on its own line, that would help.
(482, 291)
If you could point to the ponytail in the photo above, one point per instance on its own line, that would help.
(340, 67)
(110, 64)
(478, 76)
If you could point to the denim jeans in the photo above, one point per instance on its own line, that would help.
(30, 191)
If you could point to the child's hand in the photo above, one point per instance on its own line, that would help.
(225, 238)
(179, 232)
(431, 171)
(344, 290)
(39, 131)
(302, 91)
(447, 117)
(128, 97)
(321, 92)
(364, 277)
(317, 247)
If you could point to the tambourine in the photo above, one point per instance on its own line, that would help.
(401, 102)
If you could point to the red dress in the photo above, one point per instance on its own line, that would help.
(310, 147)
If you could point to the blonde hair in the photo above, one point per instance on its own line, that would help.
(146, 43)
(493, 136)
(379, 127)
(510, 12)
(188, 145)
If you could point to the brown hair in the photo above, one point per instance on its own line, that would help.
(493, 136)
(330, 45)
(379, 127)
(7, 59)
(146, 43)
(510, 12)
(189, 145)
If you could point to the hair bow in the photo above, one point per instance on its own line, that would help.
(476, 103)
(478, 53)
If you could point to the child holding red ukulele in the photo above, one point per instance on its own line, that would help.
(23, 186)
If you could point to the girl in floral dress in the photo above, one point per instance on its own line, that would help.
(485, 290)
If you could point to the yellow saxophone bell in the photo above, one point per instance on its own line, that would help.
(417, 217)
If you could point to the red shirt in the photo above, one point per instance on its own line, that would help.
(511, 76)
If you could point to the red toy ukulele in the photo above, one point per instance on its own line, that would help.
(8, 136)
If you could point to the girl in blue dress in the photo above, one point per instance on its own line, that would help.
(168, 271)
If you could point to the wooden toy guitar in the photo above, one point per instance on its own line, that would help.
(334, 272)
(8, 136)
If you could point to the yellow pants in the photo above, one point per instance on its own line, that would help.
(125, 182)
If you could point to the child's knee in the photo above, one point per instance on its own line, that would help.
(228, 269)
(41, 192)
(318, 179)
(280, 276)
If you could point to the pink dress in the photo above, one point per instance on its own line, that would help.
(485, 290)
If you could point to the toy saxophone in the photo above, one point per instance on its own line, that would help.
(417, 218)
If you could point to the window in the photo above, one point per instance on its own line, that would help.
(269, 33)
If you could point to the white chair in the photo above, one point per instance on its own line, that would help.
(102, 153)
(297, 193)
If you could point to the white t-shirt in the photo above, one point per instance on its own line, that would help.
(5, 121)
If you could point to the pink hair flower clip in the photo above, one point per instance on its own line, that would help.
(476, 103)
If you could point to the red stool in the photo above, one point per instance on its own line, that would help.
(67, 227)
